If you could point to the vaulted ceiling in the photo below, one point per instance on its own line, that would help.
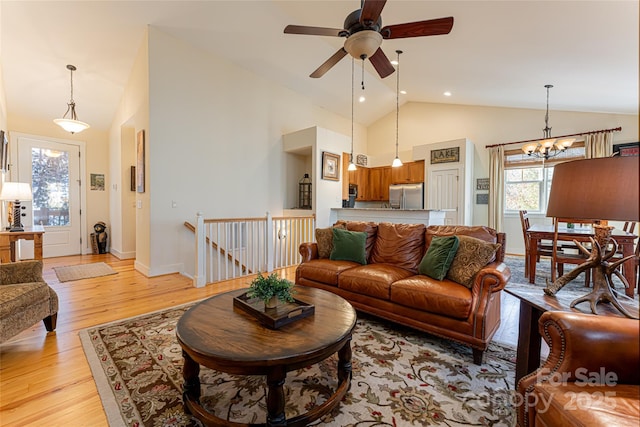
(499, 53)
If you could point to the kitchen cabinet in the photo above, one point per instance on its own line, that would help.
(360, 177)
(408, 173)
(378, 183)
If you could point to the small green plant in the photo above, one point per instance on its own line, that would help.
(266, 287)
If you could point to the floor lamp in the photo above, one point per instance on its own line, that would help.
(16, 192)
(601, 190)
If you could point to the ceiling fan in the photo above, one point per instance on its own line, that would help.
(364, 34)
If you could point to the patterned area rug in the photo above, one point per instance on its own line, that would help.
(83, 271)
(400, 378)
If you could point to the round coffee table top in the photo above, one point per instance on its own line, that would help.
(221, 336)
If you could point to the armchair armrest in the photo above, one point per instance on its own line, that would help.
(309, 251)
(581, 348)
(21, 272)
(492, 278)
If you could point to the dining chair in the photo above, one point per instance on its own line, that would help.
(544, 247)
(559, 257)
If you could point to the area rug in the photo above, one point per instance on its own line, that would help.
(83, 271)
(400, 378)
(543, 272)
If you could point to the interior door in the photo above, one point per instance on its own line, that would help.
(53, 170)
(443, 194)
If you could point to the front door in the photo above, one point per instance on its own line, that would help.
(52, 167)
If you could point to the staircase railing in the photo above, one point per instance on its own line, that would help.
(234, 247)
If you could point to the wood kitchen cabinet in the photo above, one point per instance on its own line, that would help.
(360, 177)
(408, 173)
(378, 183)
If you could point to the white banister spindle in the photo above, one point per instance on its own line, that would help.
(199, 279)
(269, 242)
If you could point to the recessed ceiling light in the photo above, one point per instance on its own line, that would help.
(403, 92)
(447, 93)
(362, 98)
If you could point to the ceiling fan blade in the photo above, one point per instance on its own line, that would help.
(326, 66)
(432, 27)
(312, 31)
(381, 63)
(371, 10)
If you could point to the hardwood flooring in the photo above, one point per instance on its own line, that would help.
(45, 379)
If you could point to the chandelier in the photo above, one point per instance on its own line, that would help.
(548, 146)
(71, 124)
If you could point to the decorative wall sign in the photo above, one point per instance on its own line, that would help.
(627, 150)
(361, 160)
(482, 199)
(97, 181)
(140, 162)
(330, 166)
(445, 155)
(482, 184)
(132, 185)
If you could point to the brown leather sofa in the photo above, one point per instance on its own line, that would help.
(591, 377)
(394, 290)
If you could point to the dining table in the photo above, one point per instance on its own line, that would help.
(625, 240)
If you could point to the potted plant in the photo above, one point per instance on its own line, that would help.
(270, 289)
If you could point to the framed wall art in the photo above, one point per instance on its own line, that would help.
(445, 155)
(627, 150)
(330, 166)
(140, 151)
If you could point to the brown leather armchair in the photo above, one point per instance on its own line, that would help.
(591, 377)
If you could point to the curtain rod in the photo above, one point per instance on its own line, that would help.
(618, 129)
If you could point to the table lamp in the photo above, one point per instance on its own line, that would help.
(16, 192)
(600, 190)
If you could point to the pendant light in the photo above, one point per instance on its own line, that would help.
(397, 162)
(547, 147)
(352, 166)
(71, 124)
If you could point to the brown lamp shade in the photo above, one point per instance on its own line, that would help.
(596, 189)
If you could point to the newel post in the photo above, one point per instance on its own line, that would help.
(199, 279)
(269, 242)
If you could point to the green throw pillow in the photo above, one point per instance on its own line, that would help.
(349, 246)
(439, 256)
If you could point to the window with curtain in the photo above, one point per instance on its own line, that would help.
(527, 179)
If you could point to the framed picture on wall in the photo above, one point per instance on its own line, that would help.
(140, 162)
(4, 152)
(330, 166)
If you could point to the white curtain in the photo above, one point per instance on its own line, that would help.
(496, 187)
(598, 145)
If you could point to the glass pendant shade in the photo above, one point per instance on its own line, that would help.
(71, 124)
(396, 163)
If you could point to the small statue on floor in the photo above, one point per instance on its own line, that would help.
(101, 236)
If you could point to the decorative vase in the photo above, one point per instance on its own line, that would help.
(271, 303)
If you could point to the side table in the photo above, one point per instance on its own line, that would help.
(8, 241)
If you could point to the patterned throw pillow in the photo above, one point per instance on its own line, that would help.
(324, 238)
(473, 254)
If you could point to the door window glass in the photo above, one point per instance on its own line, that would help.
(50, 182)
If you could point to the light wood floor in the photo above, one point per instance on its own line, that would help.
(45, 379)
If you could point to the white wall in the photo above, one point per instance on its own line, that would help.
(130, 226)
(215, 144)
(426, 123)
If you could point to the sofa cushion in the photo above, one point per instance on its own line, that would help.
(371, 228)
(401, 245)
(586, 404)
(472, 255)
(324, 238)
(441, 297)
(373, 280)
(478, 231)
(349, 246)
(439, 256)
(324, 270)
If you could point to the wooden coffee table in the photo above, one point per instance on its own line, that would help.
(215, 334)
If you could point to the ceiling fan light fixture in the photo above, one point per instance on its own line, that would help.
(365, 42)
(71, 124)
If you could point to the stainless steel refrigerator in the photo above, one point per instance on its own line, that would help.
(406, 196)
